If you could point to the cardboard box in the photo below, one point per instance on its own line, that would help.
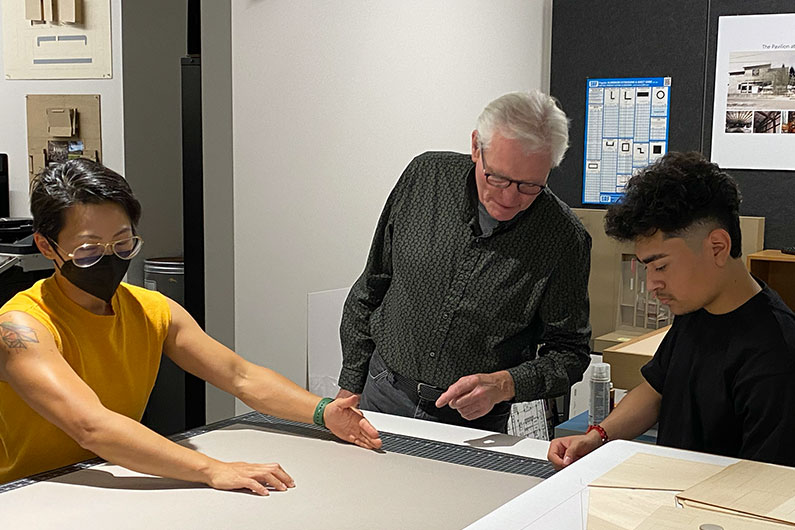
(615, 338)
(626, 359)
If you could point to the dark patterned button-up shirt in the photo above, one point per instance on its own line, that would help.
(439, 301)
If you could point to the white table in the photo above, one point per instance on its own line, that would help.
(338, 485)
(561, 502)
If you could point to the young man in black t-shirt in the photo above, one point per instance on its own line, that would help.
(721, 382)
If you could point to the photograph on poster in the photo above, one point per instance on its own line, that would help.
(754, 104)
(739, 121)
(788, 126)
(767, 121)
(761, 80)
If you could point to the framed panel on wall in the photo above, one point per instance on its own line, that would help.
(753, 116)
(749, 122)
(57, 39)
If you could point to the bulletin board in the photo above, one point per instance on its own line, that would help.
(677, 39)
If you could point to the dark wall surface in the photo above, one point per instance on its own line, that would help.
(669, 38)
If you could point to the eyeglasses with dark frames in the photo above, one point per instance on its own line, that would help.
(525, 188)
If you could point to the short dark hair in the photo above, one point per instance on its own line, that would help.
(674, 193)
(79, 181)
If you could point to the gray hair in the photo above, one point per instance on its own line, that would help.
(532, 117)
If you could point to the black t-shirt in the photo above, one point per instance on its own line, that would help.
(728, 381)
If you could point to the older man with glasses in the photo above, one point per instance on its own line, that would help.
(79, 351)
(475, 290)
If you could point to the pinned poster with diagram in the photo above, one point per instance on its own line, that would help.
(626, 129)
(56, 39)
(753, 120)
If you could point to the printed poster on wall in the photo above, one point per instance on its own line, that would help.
(753, 122)
(626, 129)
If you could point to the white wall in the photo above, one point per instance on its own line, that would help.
(152, 48)
(331, 100)
(13, 123)
(219, 247)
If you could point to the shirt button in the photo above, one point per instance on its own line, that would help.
(432, 354)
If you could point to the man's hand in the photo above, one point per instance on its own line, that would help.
(564, 451)
(475, 395)
(348, 423)
(242, 475)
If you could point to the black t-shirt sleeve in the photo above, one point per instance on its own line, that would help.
(655, 370)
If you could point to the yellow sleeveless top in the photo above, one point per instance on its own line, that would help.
(117, 355)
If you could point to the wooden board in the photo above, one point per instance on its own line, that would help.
(89, 126)
(668, 518)
(747, 487)
(653, 472)
(623, 508)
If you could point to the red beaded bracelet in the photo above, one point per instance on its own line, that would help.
(601, 431)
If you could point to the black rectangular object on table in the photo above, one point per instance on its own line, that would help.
(16, 238)
(14, 229)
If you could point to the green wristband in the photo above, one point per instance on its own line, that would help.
(317, 417)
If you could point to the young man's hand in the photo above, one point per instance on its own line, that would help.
(564, 451)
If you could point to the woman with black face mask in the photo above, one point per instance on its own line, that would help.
(80, 351)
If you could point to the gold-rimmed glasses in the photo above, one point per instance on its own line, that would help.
(89, 254)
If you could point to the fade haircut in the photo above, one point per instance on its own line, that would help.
(679, 192)
(80, 181)
(533, 118)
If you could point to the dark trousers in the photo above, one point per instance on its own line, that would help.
(385, 391)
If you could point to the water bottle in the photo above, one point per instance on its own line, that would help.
(600, 393)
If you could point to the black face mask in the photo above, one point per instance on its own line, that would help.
(101, 279)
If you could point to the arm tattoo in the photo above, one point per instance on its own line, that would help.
(15, 335)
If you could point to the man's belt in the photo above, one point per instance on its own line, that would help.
(416, 388)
